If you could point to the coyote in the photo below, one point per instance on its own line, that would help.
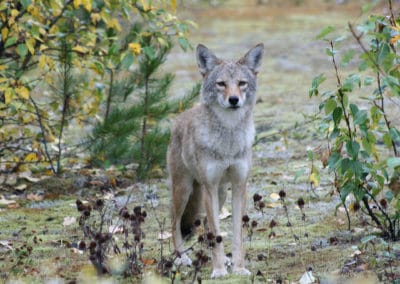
(210, 149)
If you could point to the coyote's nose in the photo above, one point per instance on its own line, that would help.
(233, 100)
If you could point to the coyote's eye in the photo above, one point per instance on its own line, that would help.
(221, 84)
(242, 83)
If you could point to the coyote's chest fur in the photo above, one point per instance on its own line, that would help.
(217, 139)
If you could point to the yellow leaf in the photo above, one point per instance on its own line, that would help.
(173, 5)
(30, 44)
(4, 34)
(395, 39)
(87, 4)
(77, 3)
(42, 62)
(145, 8)
(56, 8)
(22, 92)
(31, 157)
(314, 179)
(80, 49)
(95, 17)
(8, 95)
(113, 23)
(14, 13)
(33, 10)
(3, 67)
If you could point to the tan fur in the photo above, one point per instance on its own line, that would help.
(210, 149)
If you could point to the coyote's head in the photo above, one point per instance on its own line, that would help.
(231, 85)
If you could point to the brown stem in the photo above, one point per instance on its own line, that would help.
(340, 92)
(382, 109)
(364, 49)
(43, 130)
(110, 93)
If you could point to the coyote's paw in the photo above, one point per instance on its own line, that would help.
(220, 272)
(183, 260)
(241, 271)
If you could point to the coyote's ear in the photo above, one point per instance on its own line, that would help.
(253, 58)
(206, 59)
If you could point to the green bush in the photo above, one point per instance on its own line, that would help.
(363, 140)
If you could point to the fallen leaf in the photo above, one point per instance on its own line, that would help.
(274, 196)
(224, 213)
(13, 205)
(355, 253)
(148, 261)
(273, 205)
(69, 221)
(7, 203)
(307, 278)
(76, 251)
(32, 179)
(96, 183)
(11, 179)
(21, 187)
(164, 236)
(114, 229)
(6, 244)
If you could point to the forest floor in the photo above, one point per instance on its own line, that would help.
(40, 212)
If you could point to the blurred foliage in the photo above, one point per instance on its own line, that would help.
(35, 107)
(363, 141)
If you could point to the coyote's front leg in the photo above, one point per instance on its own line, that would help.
(212, 210)
(238, 209)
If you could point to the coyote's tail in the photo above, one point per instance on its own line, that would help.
(192, 211)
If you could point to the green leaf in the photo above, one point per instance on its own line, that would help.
(324, 32)
(310, 154)
(347, 57)
(387, 140)
(353, 109)
(385, 58)
(346, 190)
(330, 105)
(344, 165)
(127, 60)
(22, 50)
(330, 51)
(315, 84)
(183, 43)
(353, 149)
(393, 162)
(359, 193)
(10, 41)
(26, 3)
(368, 80)
(394, 134)
(337, 115)
(334, 161)
(361, 117)
(149, 52)
(335, 133)
(389, 195)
